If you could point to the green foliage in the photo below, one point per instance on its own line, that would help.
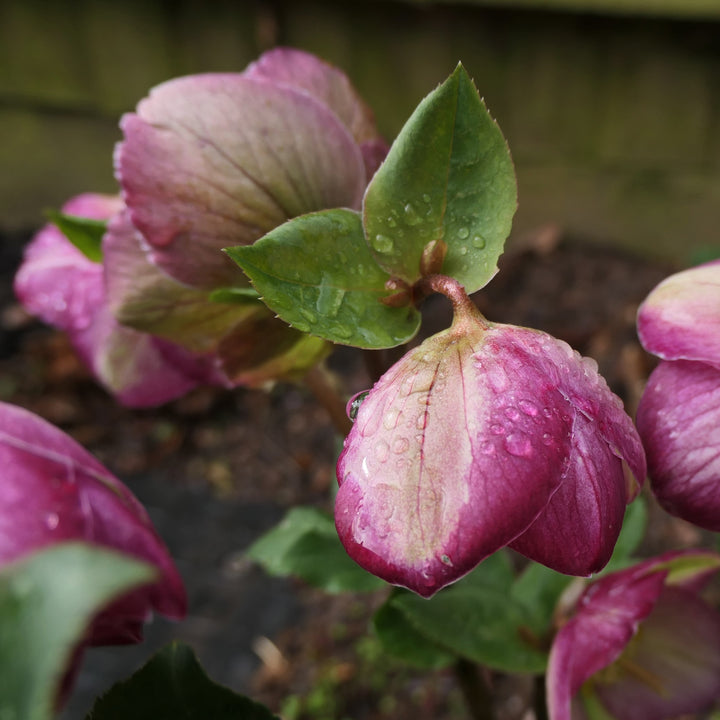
(317, 273)
(631, 534)
(306, 544)
(84, 233)
(173, 685)
(478, 618)
(449, 177)
(47, 601)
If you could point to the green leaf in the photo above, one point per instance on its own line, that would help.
(84, 233)
(305, 543)
(47, 601)
(402, 640)
(239, 295)
(448, 176)
(481, 624)
(494, 572)
(173, 685)
(539, 588)
(317, 273)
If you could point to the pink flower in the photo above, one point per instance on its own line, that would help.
(54, 491)
(485, 436)
(679, 414)
(60, 285)
(641, 644)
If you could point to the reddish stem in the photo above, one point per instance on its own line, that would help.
(463, 307)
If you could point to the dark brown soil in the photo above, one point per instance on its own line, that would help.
(217, 468)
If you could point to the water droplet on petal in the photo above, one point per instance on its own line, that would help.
(354, 404)
(497, 429)
(528, 407)
(511, 413)
(400, 445)
(390, 419)
(52, 520)
(518, 444)
(382, 450)
(445, 559)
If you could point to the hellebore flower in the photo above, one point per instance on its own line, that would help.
(679, 413)
(59, 284)
(485, 435)
(217, 160)
(52, 491)
(641, 645)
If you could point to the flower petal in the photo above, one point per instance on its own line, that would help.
(577, 531)
(53, 490)
(673, 665)
(678, 419)
(217, 160)
(142, 296)
(679, 320)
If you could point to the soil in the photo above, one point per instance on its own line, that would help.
(218, 468)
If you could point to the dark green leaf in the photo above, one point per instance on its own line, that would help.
(317, 273)
(632, 533)
(494, 572)
(173, 686)
(84, 233)
(448, 176)
(47, 600)
(306, 544)
(480, 624)
(402, 640)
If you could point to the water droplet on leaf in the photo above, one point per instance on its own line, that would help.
(383, 243)
(478, 242)
(463, 232)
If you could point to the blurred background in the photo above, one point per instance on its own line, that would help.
(611, 107)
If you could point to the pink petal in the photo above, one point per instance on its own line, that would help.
(53, 490)
(216, 160)
(678, 654)
(577, 531)
(681, 316)
(678, 419)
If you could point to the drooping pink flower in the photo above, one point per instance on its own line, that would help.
(679, 413)
(53, 491)
(485, 436)
(641, 644)
(60, 285)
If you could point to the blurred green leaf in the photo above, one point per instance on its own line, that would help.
(317, 273)
(539, 588)
(401, 639)
(631, 535)
(485, 625)
(47, 601)
(173, 685)
(448, 176)
(306, 544)
(84, 233)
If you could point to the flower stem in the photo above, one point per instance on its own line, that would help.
(475, 690)
(323, 386)
(463, 307)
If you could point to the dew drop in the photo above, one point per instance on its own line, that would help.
(382, 450)
(528, 407)
(463, 250)
(383, 243)
(547, 412)
(497, 429)
(478, 242)
(445, 559)
(400, 445)
(547, 439)
(390, 419)
(463, 232)
(411, 215)
(421, 421)
(511, 413)
(518, 444)
(487, 449)
(341, 331)
(391, 221)
(426, 198)
(52, 520)
(354, 404)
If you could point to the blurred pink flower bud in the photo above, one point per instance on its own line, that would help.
(64, 288)
(679, 414)
(641, 644)
(53, 491)
(485, 436)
